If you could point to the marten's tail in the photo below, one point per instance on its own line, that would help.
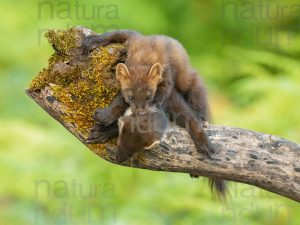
(218, 187)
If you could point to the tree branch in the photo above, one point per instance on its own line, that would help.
(262, 160)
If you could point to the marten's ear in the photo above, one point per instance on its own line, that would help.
(155, 74)
(122, 74)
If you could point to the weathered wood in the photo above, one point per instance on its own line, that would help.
(262, 160)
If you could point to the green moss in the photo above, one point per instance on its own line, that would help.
(65, 40)
(82, 88)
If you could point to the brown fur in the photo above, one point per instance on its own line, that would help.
(180, 91)
(139, 91)
(138, 132)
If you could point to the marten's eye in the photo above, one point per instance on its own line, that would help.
(130, 98)
(148, 97)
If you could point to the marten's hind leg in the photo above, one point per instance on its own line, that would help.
(189, 83)
(196, 97)
(183, 115)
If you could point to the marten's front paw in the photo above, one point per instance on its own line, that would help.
(98, 135)
(104, 117)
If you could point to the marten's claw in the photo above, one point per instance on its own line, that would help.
(97, 135)
(206, 149)
(211, 152)
(205, 124)
(101, 138)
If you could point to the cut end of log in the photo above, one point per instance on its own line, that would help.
(73, 85)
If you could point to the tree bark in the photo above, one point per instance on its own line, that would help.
(262, 160)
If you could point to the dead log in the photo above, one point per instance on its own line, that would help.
(73, 86)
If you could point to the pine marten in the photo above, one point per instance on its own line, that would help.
(156, 72)
(138, 132)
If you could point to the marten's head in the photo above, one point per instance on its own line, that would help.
(139, 87)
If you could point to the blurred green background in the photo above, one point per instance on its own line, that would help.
(248, 53)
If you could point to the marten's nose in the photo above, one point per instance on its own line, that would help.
(141, 109)
(142, 112)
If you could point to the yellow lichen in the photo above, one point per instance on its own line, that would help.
(80, 89)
